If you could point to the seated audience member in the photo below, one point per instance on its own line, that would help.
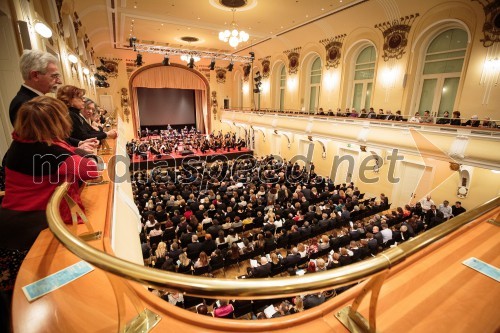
(427, 118)
(415, 118)
(209, 244)
(398, 116)
(156, 231)
(444, 119)
(313, 300)
(456, 121)
(37, 161)
(185, 264)
(216, 258)
(202, 309)
(472, 122)
(223, 310)
(262, 270)
(175, 298)
(292, 259)
(202, 261)
(487, 123)
(457, 209)
(446, 209)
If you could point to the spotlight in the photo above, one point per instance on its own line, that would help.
(212, 64)
(230, 66)
(191, 63)
(166, 61)
(258, 77)
(138, 60)
(258, 82)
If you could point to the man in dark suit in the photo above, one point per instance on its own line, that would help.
(41, 76)
(261, 271)
(195, 246)
(292, 259)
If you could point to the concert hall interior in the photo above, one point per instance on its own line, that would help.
(248, 160)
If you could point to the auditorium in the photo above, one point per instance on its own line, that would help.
(249, 166)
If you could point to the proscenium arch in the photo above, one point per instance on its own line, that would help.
(133, 96)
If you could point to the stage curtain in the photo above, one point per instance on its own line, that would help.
(177, 78)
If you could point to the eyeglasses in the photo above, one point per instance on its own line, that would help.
(55, 76)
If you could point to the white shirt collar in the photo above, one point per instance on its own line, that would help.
(33, 90)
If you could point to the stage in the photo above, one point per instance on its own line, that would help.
(174, 159)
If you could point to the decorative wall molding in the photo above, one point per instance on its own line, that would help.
(220, 75)
(396, 36)
(266, 66)
(293, 59)
(333, 47)
(491, 26)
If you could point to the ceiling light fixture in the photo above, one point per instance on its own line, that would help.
(166, 60)
(233, 36)
(43, 30)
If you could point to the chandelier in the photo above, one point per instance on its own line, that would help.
(233, 36)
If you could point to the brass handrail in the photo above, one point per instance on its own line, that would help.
(251, 288)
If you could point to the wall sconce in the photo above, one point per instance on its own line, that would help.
(265, 86)
(72, 58)
(490, 74)
(246, 88)
(329, 79)
(389, 76)
(86, 71)
(291, 82)
(43, 30)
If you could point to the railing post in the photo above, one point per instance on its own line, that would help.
(145, 319)
(352, 319)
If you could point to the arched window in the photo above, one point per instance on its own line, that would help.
(363, 78)
(282, 85)
(441, 72)
(314, 84)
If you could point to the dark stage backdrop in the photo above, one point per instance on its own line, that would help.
(162, 106)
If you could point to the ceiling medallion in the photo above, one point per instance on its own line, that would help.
(233, 3)
(190, 39)
(229, 5)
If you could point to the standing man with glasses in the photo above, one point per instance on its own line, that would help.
(41, 76)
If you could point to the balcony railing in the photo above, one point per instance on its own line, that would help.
(374, 269)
